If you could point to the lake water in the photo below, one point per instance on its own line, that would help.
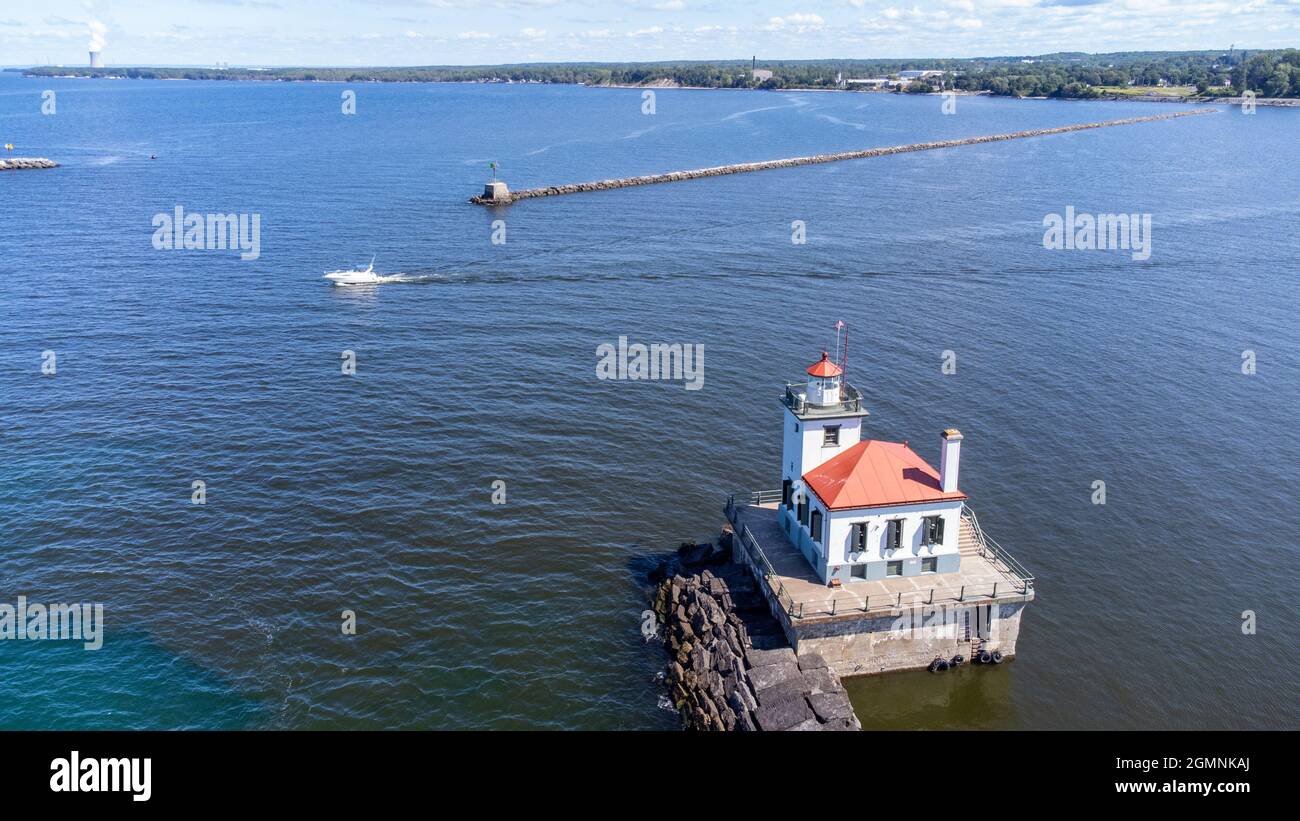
(372, 492)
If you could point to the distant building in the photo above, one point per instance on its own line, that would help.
(762, 74)
(870, 82)
(919, 75)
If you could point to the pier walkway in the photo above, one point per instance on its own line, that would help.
(987, 573)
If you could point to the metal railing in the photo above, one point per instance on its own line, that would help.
(1020, 584)
(796, 393)
(991, 549)
(960, 594)
(759, 559)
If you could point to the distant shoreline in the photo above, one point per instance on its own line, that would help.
(1282, 102)
(1271, 76)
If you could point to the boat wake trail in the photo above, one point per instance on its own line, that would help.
(394, 279)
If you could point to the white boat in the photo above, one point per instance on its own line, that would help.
(366, 277)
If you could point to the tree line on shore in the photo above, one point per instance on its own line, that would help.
(1273, 73)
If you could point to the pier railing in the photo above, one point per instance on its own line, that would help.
(848, 602)
(990, 549)
(756, 558)
(759, 559)
(1016, 583)
(796, 400)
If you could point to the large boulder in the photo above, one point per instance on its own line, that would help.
(794, 687)
(782, 715)
(770, 675)
(762, 658)
(831, 706)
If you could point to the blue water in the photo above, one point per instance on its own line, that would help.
(373, 492)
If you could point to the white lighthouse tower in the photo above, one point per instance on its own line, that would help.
(823, 418)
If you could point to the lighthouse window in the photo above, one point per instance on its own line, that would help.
(816, 527)
(894, 534)
(934, 530)
(893, 568)
(858, 538)
(786, 486)
(830, 436)
(803, 511)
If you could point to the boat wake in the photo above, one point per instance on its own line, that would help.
(353, 278)
(390, 279)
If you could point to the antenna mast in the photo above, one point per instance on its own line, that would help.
(841, 355)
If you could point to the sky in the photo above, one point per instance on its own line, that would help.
(466, 32)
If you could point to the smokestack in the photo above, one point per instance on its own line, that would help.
(97, 43)
(949, 459)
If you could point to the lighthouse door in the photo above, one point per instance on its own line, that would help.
(983, 616)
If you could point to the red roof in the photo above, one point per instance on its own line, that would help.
(875, 474)
(825, 367)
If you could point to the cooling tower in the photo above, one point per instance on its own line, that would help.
(96, 59)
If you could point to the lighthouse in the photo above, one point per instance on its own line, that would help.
(868, 555)
(857, 508)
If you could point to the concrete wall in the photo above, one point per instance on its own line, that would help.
(906, 641)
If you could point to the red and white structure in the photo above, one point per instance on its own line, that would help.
(863, 509)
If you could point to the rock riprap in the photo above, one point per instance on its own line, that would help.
(21, 163)
(730, 667)
(741, 168)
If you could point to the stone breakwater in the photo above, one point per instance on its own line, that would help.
(20, 163)
(741, 168)
(730, 667)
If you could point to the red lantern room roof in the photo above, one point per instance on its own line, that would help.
(825, 367)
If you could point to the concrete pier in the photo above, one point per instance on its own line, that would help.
(740, 168)
(901, 623)
(21, 163)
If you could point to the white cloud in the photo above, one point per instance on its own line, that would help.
(798, 21)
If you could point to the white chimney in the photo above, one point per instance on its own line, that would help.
(949, 459)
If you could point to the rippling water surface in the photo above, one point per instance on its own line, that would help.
(372, 492)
